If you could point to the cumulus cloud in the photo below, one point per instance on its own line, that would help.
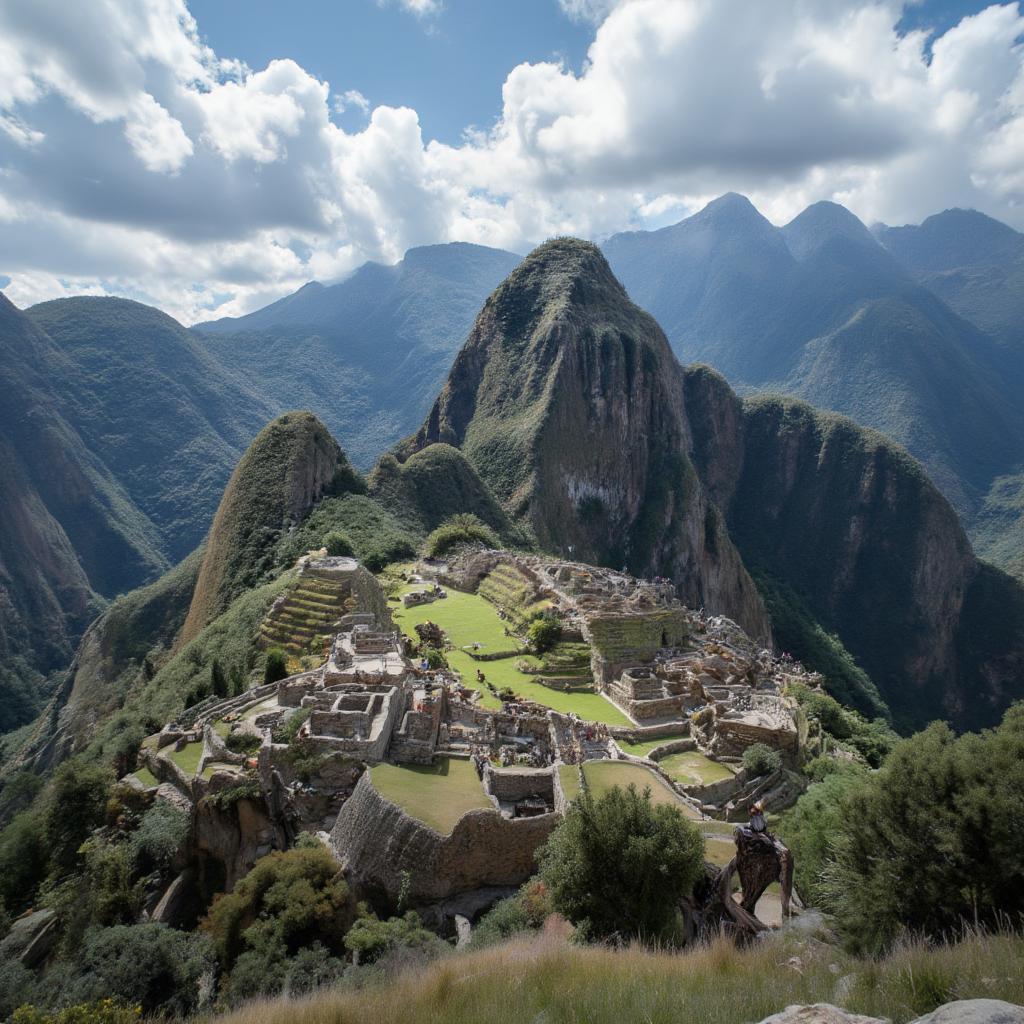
(136, 160)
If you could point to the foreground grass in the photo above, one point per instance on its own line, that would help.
(547, 979)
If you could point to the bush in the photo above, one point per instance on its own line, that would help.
(759, 759)
(931, 842)
(243, 742)
(77, 804)
(544, 632)
(384, 552)
(290, 899)
(524, 912)
(276, 666)
(160, 834)
(338, 544)
(464, 528)
(369, 938)
(24, 858)
(618, 865)
(103, 1011)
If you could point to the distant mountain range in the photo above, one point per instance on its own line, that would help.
(120, 427)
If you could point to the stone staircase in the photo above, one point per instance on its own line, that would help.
(304, 616)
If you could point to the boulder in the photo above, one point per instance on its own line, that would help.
(975, 1011)
(820, 1013)
(31, 938)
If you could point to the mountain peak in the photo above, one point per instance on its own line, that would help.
(820, 223)
(731, 210)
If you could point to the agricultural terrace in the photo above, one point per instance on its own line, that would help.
(604, 775)
(470, 619)
(692, 768)
(437, 794)
(643, 748)
(187, 759)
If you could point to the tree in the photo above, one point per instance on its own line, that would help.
(369, 938)
(759, 759)
(619, 865)
(338, 544)
(932, 841)
(287, 901)
(544, 632)
(276, 666)
(218, 681)
(463, 528)
(76, 805)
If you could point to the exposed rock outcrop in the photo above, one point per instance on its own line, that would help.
(568, 401)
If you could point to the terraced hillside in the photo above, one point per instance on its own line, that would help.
(301, 620)
(513, 592)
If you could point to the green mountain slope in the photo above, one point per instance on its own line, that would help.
(366, 355)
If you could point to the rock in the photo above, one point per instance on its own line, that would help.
(975, 1011)
(820, 1013)
(173, 902)
(31, 938)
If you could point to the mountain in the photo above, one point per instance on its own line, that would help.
(286, 470)
(367, 354)
(820, 310)
(850, 523)
(117, 433)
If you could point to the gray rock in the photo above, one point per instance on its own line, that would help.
(820, 1013)
(31, 937)
(975, 1011)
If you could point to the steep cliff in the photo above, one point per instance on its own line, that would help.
(568, 401)
(849, 521)
(287, 469)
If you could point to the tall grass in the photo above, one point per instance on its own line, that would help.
(547, 979)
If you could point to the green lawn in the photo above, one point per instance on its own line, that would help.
(604, 775)
(718, 850)
(222, 728)
(570, 778)
(146, 777)
(643, 748)
(469, 619)
(692, 768)
(187, 759)
(438, 795)
(214, 766)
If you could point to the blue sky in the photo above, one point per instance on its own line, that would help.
(449, 67)
(194, 154)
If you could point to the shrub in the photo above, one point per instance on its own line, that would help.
(369, 938)
(759, 759)
(292, 898)
(618, 865)
(464, 528)
(24, 857)
(77, 804)
(524, 912)
(243, 742)
(931, 842)
(544, 632)
(160, 834)
(276, 666)
(289, 728)
(338, 544)
(103, 1011)
(384, 552)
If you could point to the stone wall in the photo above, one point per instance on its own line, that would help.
(511, 784)
(377, 842)
(623, 641)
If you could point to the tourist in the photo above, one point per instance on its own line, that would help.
(758, 824)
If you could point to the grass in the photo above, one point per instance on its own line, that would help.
(604, 775)
(437, 795)
(146, 777)
(222, 728)
(692, 768)
(469, 619)
(643, 748)
(212, 766)
(570, 778)
(546, 978)
(187, 759)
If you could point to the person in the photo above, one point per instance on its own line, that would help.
(758, 824)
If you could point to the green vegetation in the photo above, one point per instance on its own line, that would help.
(603, 776)
(760, 759)
(187, 758)
(438, 794)
(619, 863)
(338, 544)
(462, 528)
(644, 747)
(692, 768)
(524, 912)
(146, 777)
(469, 619)
(275, 666)
(159, 834)
(544, 632)
(369, 939)
(289, 902)
(871, 741)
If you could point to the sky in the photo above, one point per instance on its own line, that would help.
(210, 157)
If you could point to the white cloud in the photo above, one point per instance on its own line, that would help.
(134, 159)
(421, 8)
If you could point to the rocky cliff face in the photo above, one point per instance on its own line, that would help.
(854, 524)
(567, 400)
(286, 470)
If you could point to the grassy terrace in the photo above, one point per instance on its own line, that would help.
(217, 766)
(604, 775)
(187, 759)
(469, 619)
(438, 795)
(146, 777)
(643, 748)
(570, 779)
(692, 768)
